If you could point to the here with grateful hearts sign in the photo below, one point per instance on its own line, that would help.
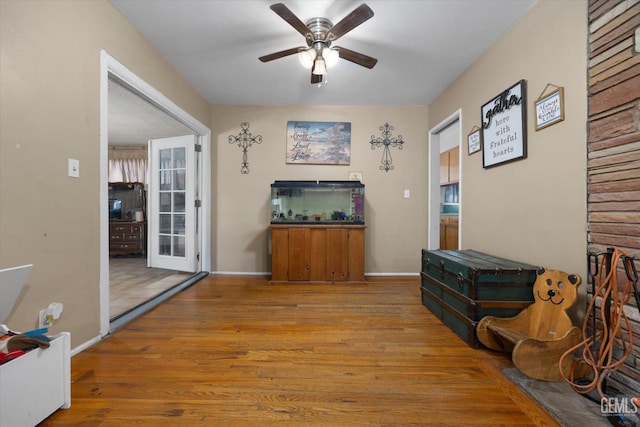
(504, 132)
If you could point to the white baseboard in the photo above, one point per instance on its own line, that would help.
(85, 345)
(241, 273)
(268, 273)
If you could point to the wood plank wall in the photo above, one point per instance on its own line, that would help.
(614, 149)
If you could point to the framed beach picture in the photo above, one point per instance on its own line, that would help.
(318, 143)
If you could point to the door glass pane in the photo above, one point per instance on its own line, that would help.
(164, 245)
(165, 224)
(178, 224)
(165, 202)
(165, 158)
(179, 158)
(165, 180)
(178, 246)
(179, 179)
(179, 201)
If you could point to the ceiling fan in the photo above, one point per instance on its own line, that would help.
(320, 33)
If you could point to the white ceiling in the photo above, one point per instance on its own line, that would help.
(134, 121)
(421, 46)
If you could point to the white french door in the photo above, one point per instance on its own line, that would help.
(172, 195)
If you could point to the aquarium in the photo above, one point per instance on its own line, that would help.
(317, 202)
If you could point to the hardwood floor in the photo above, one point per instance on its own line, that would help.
(238, 351)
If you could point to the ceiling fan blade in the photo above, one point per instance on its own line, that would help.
(316, 78)
(281, 54)
(349, 22)
(286, 14)
(356, 57)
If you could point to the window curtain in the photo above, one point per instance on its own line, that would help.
(128, 165)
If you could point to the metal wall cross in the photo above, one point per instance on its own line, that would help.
(386, 141)
(245, 140)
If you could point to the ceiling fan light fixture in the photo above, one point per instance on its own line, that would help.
(307, 57)
(319, 34)
(319, 67)
(330, 56)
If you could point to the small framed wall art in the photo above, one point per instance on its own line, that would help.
(474, 140)
(549, 107)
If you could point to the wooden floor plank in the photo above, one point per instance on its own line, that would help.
(239, 351)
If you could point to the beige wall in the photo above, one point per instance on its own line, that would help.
(396, 228)
(534, 209)
(49, 112)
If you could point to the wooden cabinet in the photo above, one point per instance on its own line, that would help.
(450, 166)
(317, 253)
(449, 232)
(127, 238)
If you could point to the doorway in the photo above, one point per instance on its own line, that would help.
(445, 203)
(134, 279)
(113, 71)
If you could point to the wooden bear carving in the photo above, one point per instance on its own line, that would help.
(542, 332)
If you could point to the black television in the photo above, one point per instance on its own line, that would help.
(115, 209)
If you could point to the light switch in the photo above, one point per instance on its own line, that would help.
(407, 194)
(74, 168)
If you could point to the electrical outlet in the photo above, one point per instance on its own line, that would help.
(42, 319)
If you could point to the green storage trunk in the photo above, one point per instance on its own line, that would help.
(461, 287)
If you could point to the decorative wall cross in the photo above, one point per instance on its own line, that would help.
(386, 141)
(245, 140)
